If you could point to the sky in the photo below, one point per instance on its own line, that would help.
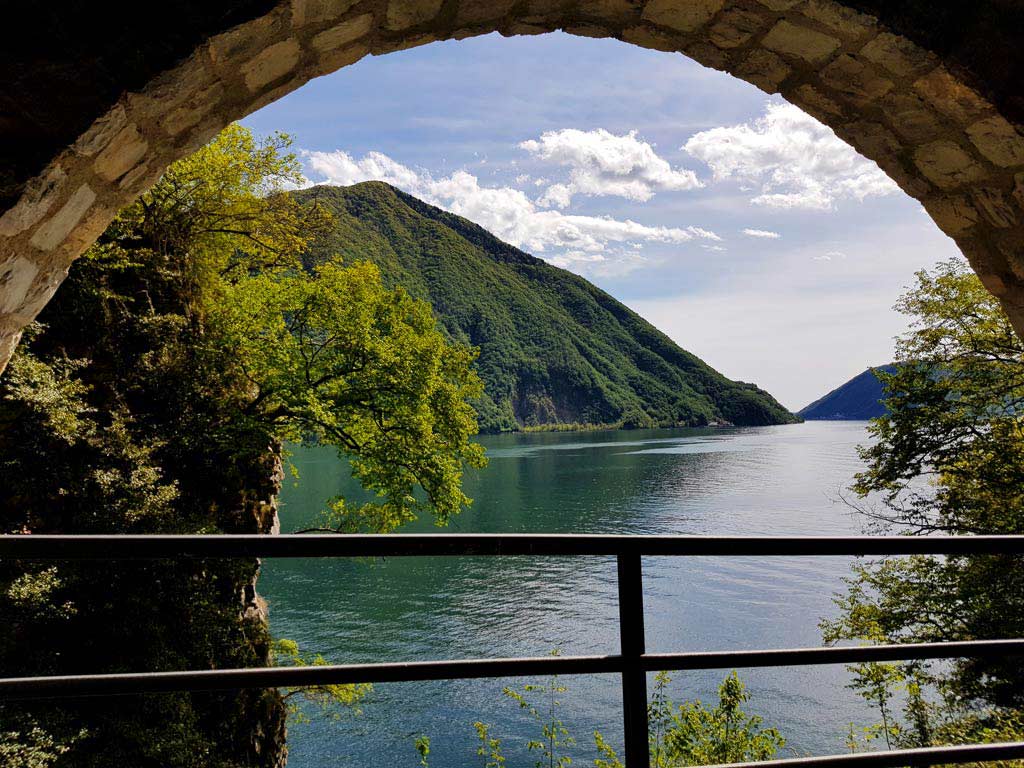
(734, 222)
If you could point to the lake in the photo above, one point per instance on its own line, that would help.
(748, 481)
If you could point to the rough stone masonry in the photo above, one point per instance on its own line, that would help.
(929, 92)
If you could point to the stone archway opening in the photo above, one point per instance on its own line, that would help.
(906, 107)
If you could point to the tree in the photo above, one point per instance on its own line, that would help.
(183, 348)
(334, 356)
(697, 735)
(947, 458)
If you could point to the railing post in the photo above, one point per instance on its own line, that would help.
(634, 678)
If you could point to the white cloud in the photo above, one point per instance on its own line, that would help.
(829, 256)
(798, 162)
(602, 163)
(505, 211)
(762, 233)
(615, 263)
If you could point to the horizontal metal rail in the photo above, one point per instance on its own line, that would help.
(631, 664)
(413, 671)
(140, 547)
(966, 753)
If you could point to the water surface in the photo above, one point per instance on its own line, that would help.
(744, 481)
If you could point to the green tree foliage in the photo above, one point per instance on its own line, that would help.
(490, 748)
(694, 734)
(554, 349)
(948, 458)
(555, 738)
(286, 653)
(685, 734)
(153, 396)
(30, 746)
(336, 357)
(422, 745)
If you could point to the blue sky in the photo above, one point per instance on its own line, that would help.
(735, 223)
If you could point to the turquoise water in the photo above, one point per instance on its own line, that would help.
(770, 480)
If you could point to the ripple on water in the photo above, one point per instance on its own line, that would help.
(773, 481)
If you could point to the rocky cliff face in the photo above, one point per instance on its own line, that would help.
(263, 743)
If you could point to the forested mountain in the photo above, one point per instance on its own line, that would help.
(858, 399)
(554, 349)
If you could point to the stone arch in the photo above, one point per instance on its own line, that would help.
(896, 102)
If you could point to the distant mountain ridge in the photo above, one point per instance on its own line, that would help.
(554, 349)
(858, 399)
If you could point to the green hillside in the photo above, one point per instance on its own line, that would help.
(859, 399)
(554, 349)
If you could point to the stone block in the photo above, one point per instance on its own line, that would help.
(763, 69)
(517, 28)
(856, 81)
(735, 26)
(54, 230)
(647, 36)
(815, 103)
(344, 33)
(318, 11)
(595, 31)
(133, 176)
(949, 96)
(8, 343)
(703, 52)
(271, 64)
(278, 91)
(779, 5)
(871, 139)
(1009, 243)
(799, 42)
(620, 11)
(947, 165)
(681, 15)
(403, 14)
(403, 43)
(195, 109)
(910, 117)
(897, 54)
(101, 132)
(840, 19)
(245, 41)
(998, 141)
(981, 263)
(473, 12)
(875, 141)
(88, 229)
(332, 61)
(994, 206)
(16, 277)
(38, 197)
(122, 154)
(42, 290)
(954, 215)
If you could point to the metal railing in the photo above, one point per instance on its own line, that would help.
(632, 663)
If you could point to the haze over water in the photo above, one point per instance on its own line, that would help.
(742, 481)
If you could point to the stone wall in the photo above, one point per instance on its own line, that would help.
(923, 115)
